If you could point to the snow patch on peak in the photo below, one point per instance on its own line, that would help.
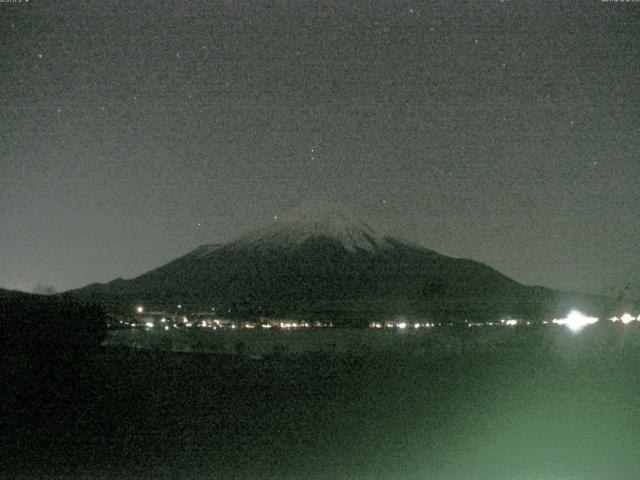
(206, 250)
(311, 221)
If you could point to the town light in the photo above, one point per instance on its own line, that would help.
(627, 318)
(575, 321)
(139, 309)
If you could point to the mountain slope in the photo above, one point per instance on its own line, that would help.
(322, 263)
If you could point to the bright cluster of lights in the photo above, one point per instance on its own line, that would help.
(510, 322)
(625, 318)
(575, 321)
(507, 322)
(402, 325)
(288, 325)
(223, 324)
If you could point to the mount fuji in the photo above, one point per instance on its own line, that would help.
(320, 262)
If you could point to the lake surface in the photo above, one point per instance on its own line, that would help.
(544, 404)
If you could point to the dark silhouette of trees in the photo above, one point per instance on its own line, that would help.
(49, 326)
(47, 366)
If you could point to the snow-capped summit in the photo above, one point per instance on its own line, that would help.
(320, 262)
(317, 220)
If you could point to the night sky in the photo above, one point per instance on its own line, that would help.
(507, 132)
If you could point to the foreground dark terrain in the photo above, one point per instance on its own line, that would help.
(544, 404)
